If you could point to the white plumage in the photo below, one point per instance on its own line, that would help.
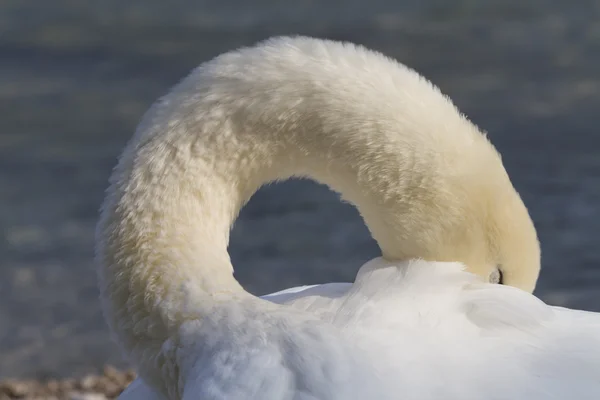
(412, 330)
(419, 323)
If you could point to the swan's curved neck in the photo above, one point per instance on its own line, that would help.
(202, 152)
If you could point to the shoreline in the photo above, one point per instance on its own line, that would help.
(105, 386)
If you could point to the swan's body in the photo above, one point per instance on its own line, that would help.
(431, 332)
(429, 185)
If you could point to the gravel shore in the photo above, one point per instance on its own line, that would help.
(90, 387)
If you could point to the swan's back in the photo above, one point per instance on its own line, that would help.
(423, 330)
(414, 330)
(456, 337)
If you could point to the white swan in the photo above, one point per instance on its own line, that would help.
(433, 192)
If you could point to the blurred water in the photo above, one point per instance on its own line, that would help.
(76, 76)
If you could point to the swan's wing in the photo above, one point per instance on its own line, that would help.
(310, 295)
(441, 333)
(556, 348)
(276, 354)
(307, 365)
(286, 292)
(416, 330)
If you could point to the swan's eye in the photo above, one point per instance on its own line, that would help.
(496, 276)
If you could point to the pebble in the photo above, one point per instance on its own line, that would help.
(88, 396)
(90, 387)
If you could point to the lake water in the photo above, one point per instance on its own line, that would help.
(76, 77)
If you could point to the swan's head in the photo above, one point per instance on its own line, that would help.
(498, 240)
(467, 211)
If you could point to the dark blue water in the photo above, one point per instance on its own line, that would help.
(76, 77)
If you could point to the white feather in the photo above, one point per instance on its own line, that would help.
(413, 330)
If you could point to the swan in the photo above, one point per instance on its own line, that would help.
(446, 312)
